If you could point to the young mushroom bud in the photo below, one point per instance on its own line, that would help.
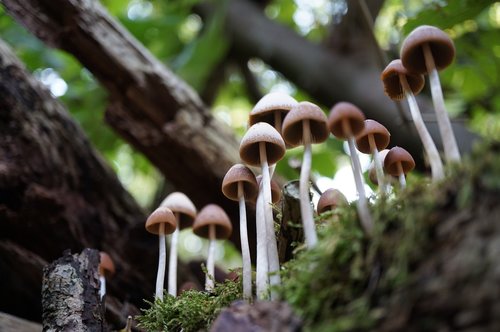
(212, 223)
(306, 124)
(399, 162)
(161, 222)
(374, 138)
(262, 144)
(239, 184)
(106, 270)
(345, 122)
(185, 212)
(428, 49)
(399, 82)
(330, 200)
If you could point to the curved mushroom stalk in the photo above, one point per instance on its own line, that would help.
(210, 277)
(162, 260)
(172, 260)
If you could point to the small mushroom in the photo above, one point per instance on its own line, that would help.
(399, 162)
(428, 49)
(275, 189)
(184, 212)
(106, 270)
(345, 122)
(161, 222)
(261, 145)
(306, 124)
(374, 138)
(212, 223)
(272, 109)
(372, 173)
(330, 199)
(239, 184)
(399, 82)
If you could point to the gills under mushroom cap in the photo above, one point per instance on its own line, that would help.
(292, 131)
(240, 173)
(161, 215)
(261, 132)
(345, 112)
(380, 135)
(265, 108)
(392, 84)
(179, 203)
(212, 215)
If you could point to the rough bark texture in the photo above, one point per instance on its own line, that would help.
(149, 106)
(70, 294)
(291, 232)
(56, 193)
(260, 316)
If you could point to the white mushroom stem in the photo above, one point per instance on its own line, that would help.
(272, 247)
(450, 146)
(401, 177)
(262, 265)
(277, 121)
(102, 288)
(429, 147)
(162, 259)
(377, 161)
(362, 204)
(305, 203)
(172, 260)
(209, 280)
(245, 249)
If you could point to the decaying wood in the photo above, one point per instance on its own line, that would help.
(70, 294)
(291, 232)
(149, 106)
(9, 323)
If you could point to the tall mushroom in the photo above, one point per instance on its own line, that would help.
(330, 199)
(372, 139)
(399, 162)
(212, 223)
(398, 83)
(239, 184)
(184, 212)
(372, 173)
(106, 270)
(428, 49)
(262, 145)
(275, 189)
(345, 122)
(161, 222)
(306, 124)
(272, 109)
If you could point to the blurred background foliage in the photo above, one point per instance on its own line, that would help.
(196, 49)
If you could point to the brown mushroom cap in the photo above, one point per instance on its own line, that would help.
(106, 265)
(330, 199)
(264, 110)
(261, 132)
(395, 156)
(240, 173)
(392, 84)
(292, 125)
(441, 45)
(161, 215)
(179, 203)
(380, 134)
(214, 215)
(345, 111)
(275, 189)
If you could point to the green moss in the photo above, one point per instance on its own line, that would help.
(344, 282)
(190, 311)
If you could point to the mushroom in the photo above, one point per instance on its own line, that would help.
(345, 122)
(399, 162)
(161, 222)
(262, 144)
(330, 199)
(428, 49)
(398, 83)
(212, 223)
(275, 189)
(372, 173)
(239, 184)
(271, 109)
(306, 124)
(106, 270)
(184, 212)
(374, 138)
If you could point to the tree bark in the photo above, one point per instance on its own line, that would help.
(149, 106)
(70, 294)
